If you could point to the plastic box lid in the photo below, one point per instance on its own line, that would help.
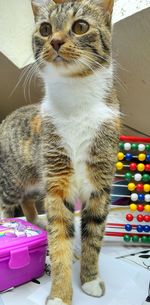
(17, 233)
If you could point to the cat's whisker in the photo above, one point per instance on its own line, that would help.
(33, 71)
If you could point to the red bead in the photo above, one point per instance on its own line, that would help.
(147, 167)
(140, 218)
(133, 166)
(139, 187)
(140, 207)
(147, 218)
(129, 217)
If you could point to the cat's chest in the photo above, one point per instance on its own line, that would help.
(77, 136)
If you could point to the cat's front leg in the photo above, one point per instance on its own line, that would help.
(60, 235)
(93, 224)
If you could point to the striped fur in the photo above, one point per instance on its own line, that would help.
(66, 147)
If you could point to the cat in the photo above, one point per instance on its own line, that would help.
(66, 147)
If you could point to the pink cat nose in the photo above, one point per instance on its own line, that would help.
(56, 44)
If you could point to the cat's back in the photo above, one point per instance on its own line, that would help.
(20, 124)
(19, 139)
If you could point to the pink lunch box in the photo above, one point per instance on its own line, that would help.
(23, 249)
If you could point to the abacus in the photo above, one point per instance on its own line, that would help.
(133, 168)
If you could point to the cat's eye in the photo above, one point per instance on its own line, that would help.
(45, 29)
(80, 27)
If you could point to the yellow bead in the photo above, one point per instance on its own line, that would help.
(142, 157)
(140, 167)
(120, 156)
(147, 208)
(131, 187)
(119, 165)
(133, 207)
(146, 188)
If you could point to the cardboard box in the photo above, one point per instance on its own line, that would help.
(131, 49)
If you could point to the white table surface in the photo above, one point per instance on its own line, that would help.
(126, 284)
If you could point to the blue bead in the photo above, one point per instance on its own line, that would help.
(128, 157)
(140, 197)
(148, 158)
(128, 227)
(146, 228)
(140, 228)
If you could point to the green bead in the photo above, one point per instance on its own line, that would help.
(128, 176)
(135, 238)
(134, 146)
(127, 237)
(146, 177)
(147, 147)
(145, 239)
(121, 145)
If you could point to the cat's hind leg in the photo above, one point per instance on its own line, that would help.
(6, 211)
(30, 212)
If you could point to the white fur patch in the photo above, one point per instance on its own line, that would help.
(94, 288)
(77, 107)
(55, 302)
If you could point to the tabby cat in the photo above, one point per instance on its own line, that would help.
(65, 148)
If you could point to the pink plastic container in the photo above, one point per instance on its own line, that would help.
(22, 252)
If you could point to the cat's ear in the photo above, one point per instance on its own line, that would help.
(107, 7)
(36, 4)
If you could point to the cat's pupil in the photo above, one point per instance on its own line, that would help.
(45, 29)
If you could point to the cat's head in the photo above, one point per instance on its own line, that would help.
(73, 34)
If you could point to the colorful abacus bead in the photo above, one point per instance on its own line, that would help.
(131, 187)
(145, 239)
(140, 167)
(135, 238)
(133, 207)
(146, 218)
(128, 176)
(119, 165)
(133, 166)
(147, 167)
(141, 157)
(121, 145)
(147, 147)
(129, 217)
(146, 229)
(134, 197)
(139, 228)
(140, 207)
(134, 146)
(139, 187)
(140, 217)
(141, 197)
(120, 156)
(128, 227)
(127, 146)
(137, 177)
(147, 197)
(128, 157)
(146, 178)
(141, 147)
(127, 238)
(147, 208)
(146, 188)
(148, 158)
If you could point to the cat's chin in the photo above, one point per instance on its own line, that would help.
(59, 61)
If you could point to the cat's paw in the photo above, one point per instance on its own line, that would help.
(55, 301)
(95, 288)
(41, 222)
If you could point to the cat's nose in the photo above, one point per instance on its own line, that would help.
(57, 43)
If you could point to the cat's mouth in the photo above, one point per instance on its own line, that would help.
(60, 60)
